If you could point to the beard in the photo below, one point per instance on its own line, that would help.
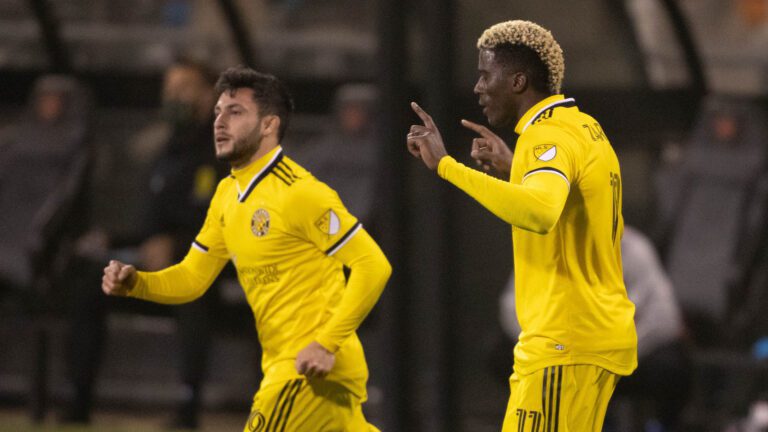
(242, 150)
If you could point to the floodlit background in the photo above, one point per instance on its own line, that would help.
(679, 86)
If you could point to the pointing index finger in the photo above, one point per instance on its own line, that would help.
(426, 118)
(480, 129)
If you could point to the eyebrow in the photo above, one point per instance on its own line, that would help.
(229, 105)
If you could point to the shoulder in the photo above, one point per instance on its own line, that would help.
(307, 190)
(546, 131)
(224, 189)
(545, 140)
(292, 169)
(226, 182)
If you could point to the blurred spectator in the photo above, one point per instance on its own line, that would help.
(43, 159)
(180, 185)
(663, 377)
(346, 156)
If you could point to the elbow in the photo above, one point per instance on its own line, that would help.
(386, 268)
(542, 230)
(543, 223)
(386, 272)
(546, 226)
(196, 294)
(375, 266)
(383, 270)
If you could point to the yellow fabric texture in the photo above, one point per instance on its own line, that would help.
(306, 406)
(570, 398)
(563, 201)
(533, 207)
(289, 237)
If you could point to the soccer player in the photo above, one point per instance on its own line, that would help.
(289, 237)
(563, 200)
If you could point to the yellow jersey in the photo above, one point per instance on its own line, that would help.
(563, 201)
(285, 232)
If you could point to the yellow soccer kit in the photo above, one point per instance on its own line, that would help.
(570, 398)
(293, 406)
(563, 201)
(289, 237)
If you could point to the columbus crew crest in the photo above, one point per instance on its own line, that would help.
(260, 223)
(545, 152)
(328, 223)
(256, 421)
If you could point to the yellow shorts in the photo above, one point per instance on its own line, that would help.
(306, 405)
(570, 398)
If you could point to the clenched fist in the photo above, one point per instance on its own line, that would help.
(315, 361)
(118, 279)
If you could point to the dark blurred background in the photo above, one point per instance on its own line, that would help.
(679, 86)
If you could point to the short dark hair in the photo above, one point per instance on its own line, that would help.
(269, 93)
(520, 58)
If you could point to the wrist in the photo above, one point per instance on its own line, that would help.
(327, 344)
(443, 164)
(135, 285)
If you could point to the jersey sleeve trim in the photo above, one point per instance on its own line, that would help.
(344, 239)
(549, 170)
(199, 246)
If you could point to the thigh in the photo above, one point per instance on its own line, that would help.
(525, 407)
(559, 399)
(312, 406)
(273, 406)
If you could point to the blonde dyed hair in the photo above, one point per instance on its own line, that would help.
(533, 36)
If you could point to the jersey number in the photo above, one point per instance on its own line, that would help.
(523, 415)
(616, 188)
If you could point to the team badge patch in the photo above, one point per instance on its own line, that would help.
(545, 152)
(256, 421)
(260, 223)
(328, 223)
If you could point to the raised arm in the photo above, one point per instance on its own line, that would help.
(534, 206)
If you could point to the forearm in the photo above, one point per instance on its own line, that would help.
(180, 283)
(533, 207)
(369, 273)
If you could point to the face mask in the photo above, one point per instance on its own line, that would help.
(177, 113)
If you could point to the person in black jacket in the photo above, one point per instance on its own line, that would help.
(181, 182)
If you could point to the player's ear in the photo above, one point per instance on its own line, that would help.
(519, 82)
(270, 124)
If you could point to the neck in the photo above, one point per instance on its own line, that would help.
(267, 145)
(528, 100)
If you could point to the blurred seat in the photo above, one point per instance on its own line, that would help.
(717, 200)
(717, 197)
